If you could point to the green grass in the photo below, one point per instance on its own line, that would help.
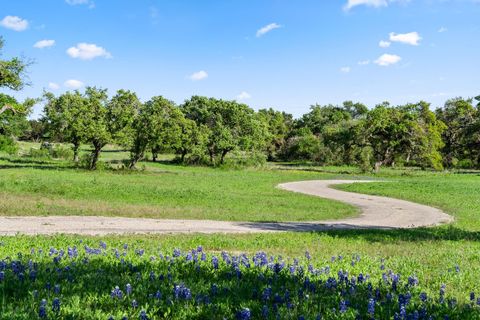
(164, 190)
(46, 187)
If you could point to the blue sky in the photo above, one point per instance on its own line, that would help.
(267, 53)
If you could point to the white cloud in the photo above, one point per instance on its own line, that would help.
(200, 75)
(370, 3)
(411, 38)
(44, 44)
(345, 69)
(243, 96)
(384, 44)
(387, 59)
(442, 29)
(267, 28)
(53, 85)
(73, 84)
(364, 62)
(88, 51)
(14, 23)
(90, 3)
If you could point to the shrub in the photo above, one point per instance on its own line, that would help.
(8, 145)
(61, 152)
(41, 153)
(241, 159)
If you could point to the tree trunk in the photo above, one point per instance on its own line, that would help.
(378, 164)
(76, 147)
(184, 153)
(222, 158)
(212, 156)
(135, 158)
(95, 156)
(154, 156)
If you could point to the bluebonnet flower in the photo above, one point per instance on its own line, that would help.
(134, 303)
(265, 311)
(2, 276)
(116, 293)
(472, 296)
(125, 246)
(158, 295)
(215, 262)
(103, 245)
(42, 311)
(343, 306)
(371, 307)
(423, 297)
(176, 253)
(412, 281)
(244, 314)
(139, 252)
(56, 289)
(478, 301)
(128, 288)
(214, 289)
(182, 292)
(143, 315)
(307, 255)
(56, 305)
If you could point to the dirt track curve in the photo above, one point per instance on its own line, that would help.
(376, 213)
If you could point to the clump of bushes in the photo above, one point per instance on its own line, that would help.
(50, 151)
(8, 145)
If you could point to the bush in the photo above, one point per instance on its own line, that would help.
(464, 164)
(8, 145)
(61, 152)
(246, 159)
(86, 160)
(41, 153)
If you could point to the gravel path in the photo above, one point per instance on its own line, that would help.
(376, 212)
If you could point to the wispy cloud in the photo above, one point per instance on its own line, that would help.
(442, 29)
(370, 3)
(345, 69)
(73, 84)
(53, 86)
(44, 44)
(14, 23)
(363, 62)
(197, 76)
(90, 3)
(88, 51)
(386, 59)
(411, 38)
(243, 95)
(384, 44)
(269, 27)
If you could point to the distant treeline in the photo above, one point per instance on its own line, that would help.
(211, 131)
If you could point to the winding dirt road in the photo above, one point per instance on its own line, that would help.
(376, 213)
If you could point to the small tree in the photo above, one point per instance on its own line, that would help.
(231, 126)
(157, 126)
(66, 118)
(97, 130)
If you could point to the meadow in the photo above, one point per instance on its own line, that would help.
(404, 274)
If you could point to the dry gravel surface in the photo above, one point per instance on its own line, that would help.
(375, 213)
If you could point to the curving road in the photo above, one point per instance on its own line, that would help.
(376, 213)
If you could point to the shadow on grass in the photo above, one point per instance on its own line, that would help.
(370, 233)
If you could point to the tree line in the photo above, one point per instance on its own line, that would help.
(212, 131)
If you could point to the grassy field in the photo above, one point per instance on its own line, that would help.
(446, 255)
(49, 187)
